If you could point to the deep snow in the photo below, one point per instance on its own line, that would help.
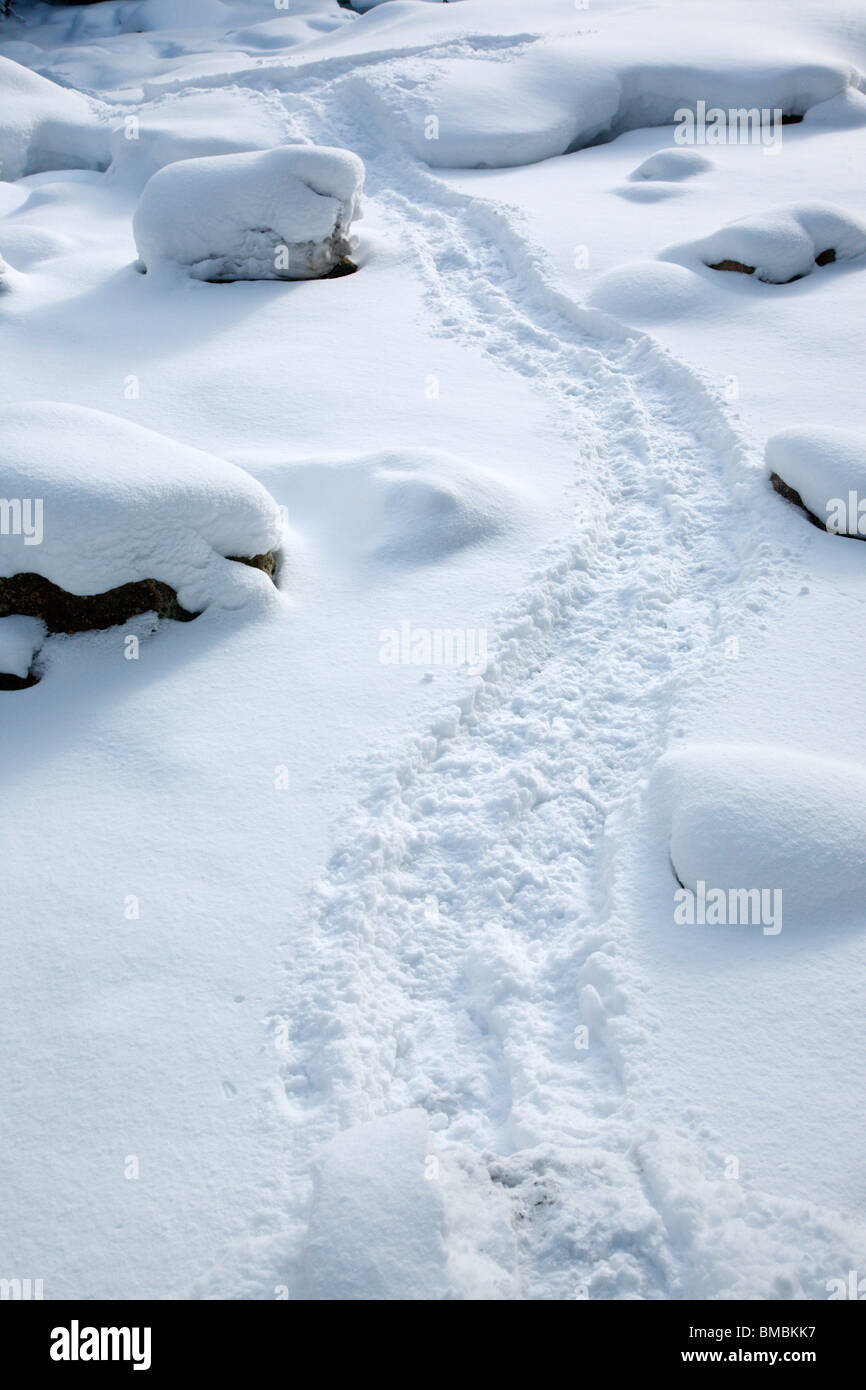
(334, 967)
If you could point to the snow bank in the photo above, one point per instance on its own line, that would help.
(191, 126)
(281, 214)
(403, 506)
(376, 1225)
(827, 468)
(779, 245)
(743, 817)
(564, 94)
(43, 126)
(103, 502)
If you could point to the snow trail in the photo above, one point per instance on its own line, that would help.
(479, 869)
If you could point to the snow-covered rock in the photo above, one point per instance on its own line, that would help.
(779, 245)
(94, 502)
(756, 817)
(826, 467)
(43, 126)
(281, 214)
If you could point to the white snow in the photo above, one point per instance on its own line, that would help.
(324, 917)
(109, 503)
(781, 244)
(190, 126)
(233, 217)
(673, 165)
(377, 1213)
(20, 640)
(43, 126)
(745, 817)
(826, 466)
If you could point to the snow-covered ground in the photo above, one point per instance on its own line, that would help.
(374, 935)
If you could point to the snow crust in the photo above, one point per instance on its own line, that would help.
(121, 503)
(232, 217)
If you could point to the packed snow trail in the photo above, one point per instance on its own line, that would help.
(483, 867)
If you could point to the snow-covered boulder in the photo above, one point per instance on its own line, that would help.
(92, 503)
(824, 470)
(43, 126)
(281, 214)
(741, 817)
(779, 245)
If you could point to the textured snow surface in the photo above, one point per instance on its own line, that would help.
(367, 960)
(121, 503)
(229, 217)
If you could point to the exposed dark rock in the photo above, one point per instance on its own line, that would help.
(794, 497)
(826, 257)
(32, 596)
(734, 265)
(343, 267)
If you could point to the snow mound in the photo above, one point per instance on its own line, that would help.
(673, 165)
(43, 126)
(746, 817)
(281, 214)
(103, 503)
(20, 640)
(824, 467)
(647, 292)
(779, 245)
(401, 507)
(191, 126)
(563, 94)
(376, 1225)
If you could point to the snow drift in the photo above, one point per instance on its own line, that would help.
(43, 126)
(401, 507)
(746, 817)
(779, 245)
(94, 502)
(281, 214)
